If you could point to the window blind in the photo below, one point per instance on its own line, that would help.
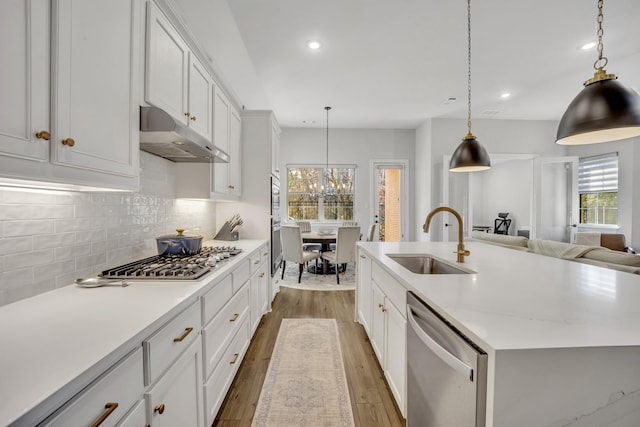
(598, 173)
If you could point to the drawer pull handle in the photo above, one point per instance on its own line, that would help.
(261, 274)
(193, 118)
(187, 114)
(159, 409)
(380, 305)
(43, 134)
(235, 317)
(187, 331)
(265, 254)
(363, 257)
(256, 262)
(235, 358)
(109, 408)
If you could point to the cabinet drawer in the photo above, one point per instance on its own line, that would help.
(241, 275)
(216, 298)
(136, 418)
(163, 347)
(111, 396)
(390, 287)
(217, 334)
(216, 387)
(264, 253)
(255, 261)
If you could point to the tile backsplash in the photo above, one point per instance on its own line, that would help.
(50, 238)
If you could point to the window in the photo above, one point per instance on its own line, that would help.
(317, 193)
(598, 189)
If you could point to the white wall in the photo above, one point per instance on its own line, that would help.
(49, 238)
(423, 178)
(506, 187)
(350, 146)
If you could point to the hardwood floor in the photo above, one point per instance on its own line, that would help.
(371, 400)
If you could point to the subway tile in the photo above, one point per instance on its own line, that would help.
(28, 259)
(11, 212)
(44, 241)
(26, 228)
(50, 211)
(75, 224)
(88, 261)
(51, 270)
(26, 196)
(72, 251)
(16, 245)
(91, 235)
(16, 278)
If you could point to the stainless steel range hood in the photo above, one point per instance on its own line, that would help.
(162, 135)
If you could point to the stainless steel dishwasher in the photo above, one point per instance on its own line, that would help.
(446, 372)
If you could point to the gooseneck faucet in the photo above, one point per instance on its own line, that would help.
(461, 252)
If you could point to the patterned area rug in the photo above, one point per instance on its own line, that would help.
(305, 384)
(317, 282)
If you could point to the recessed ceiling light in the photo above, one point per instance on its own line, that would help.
(505, 95)
(313, 44)
(588, 46)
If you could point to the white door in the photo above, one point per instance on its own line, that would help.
(24, 52)
(389, 201)
(556, 198)
(455, 194)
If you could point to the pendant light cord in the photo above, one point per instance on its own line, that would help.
(327, 108)
(469, 135)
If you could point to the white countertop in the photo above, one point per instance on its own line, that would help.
(520, 300)
(58, 341)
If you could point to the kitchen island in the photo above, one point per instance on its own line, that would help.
(62, 344)
(562, 338)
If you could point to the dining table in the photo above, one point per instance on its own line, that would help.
(325, 239)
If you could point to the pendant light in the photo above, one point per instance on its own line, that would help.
(605, 110)
(323, 191)
(470, 156)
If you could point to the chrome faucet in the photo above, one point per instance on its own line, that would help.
(461, 252)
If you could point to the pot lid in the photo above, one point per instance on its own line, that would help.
(179, 236)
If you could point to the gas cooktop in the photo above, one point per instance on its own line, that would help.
(172, 267)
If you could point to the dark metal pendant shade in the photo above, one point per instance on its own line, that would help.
(604, 111)
(470, 156)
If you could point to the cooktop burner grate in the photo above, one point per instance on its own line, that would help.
(172, 267)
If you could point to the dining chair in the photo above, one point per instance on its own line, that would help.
(349, 223)
(305, 227)
(370, 234)
(292, 249)
(345, 249)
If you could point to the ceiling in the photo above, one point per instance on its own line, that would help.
(393, 64)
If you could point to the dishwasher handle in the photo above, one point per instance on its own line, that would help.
(436, 348)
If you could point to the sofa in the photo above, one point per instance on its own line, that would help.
(593, 255)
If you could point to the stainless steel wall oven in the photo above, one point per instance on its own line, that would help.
(276, 244)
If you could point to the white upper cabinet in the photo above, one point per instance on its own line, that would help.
(227, 125)
(69, 114)
(95, 80)
(24, 111)
(200, 106)
(175, 80)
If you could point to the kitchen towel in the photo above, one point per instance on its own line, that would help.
(305, 384)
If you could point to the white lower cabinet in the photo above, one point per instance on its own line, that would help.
(176, 398)
(387, 328)
(259, 286)
(363, 313)
(108, 399)
(216, 386)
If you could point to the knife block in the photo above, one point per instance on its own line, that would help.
(225, 233)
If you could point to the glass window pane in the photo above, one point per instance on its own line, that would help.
(321, 194)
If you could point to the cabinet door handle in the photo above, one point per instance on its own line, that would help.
(69, 142)
(43, 134)
(235, 317)
(109, 408)
(159, 409)
(193, 118)
(363, 257)
(187, 331)
(187, 114)
(265, 254)
(384, 310)
(256, 262)
(261, 274)
(231, 187)
(380, 305)
(235, 358)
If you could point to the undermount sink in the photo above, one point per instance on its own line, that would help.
(427, 264)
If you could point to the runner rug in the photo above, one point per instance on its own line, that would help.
(305, 384)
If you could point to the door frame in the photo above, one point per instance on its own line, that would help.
(403, 165)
